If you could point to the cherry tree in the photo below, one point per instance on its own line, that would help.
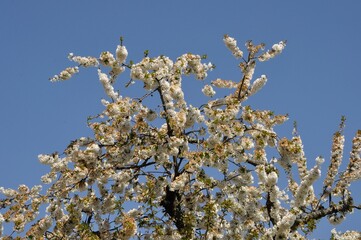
(177, 171)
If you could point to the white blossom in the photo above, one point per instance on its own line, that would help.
(231, 44)
(303, 189)
(348, 235)
(121, 53)
(179, 182)
(276, 49)
(84, 61)
(107, 59)
(65, 74)
(208, 91)
(224, 83)
(7, 192)
(109, 89)
(257, 85)
(46, 159)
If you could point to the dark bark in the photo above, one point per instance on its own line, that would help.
(171, 204)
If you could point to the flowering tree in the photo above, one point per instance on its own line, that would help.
(176, 171)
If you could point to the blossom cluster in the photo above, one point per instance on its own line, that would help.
(348, 235)
(274, 51)
(84, 61)
(208, 91)
(257, 85)
(231, 44)
(353, 171)
(336, 158)
(220, 83)
(65, 74)
(106, 59)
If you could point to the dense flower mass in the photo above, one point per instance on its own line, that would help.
(172, 170)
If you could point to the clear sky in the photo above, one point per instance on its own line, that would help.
(315, 80)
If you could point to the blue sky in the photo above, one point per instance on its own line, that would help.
(315, 80)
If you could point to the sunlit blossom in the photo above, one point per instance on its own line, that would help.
(208, 91)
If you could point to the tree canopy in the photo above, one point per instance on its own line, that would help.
(172, 170)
